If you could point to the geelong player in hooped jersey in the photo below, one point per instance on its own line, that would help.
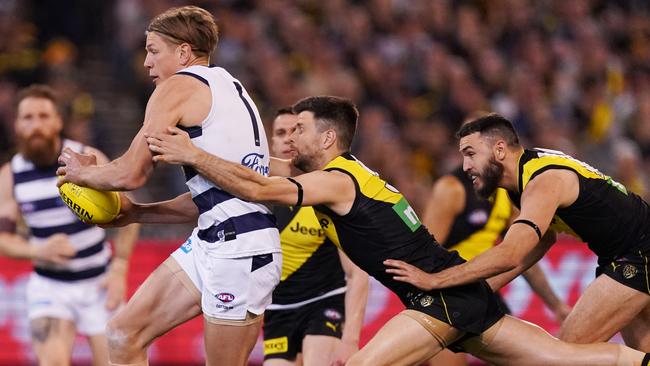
(230, 264)
(76, 284)
(372, 221)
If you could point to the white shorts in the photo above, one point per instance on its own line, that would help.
(83, 302)
(230, 287)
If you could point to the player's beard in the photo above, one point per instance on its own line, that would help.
(490, 178)
(307, 162)
(39, 149)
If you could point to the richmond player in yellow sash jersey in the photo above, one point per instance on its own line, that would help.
(462, 221)
(372, 221)
(318, 307)
(558, 193)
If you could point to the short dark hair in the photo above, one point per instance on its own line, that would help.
(493, 125)
(335, 112)
(188, 24)
(40, 91)
(283, 111)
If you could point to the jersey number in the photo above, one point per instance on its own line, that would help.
(407, 214)
(251, 113)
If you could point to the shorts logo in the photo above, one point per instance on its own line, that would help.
(331, 326)
(276, 345)
(225, 297)
(426, 301)
(187, 246)
(332, 314)
(629, 271)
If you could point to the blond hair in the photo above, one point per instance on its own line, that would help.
(188, 24)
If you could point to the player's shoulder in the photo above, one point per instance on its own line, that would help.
(179, 88)
(551, 181)
(449, 182)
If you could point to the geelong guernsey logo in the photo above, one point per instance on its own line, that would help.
(252, 161)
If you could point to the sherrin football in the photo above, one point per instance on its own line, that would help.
(90, 205)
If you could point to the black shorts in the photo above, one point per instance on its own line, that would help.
(502, 304)
(472, 308)
(630, 270)
(284, 330)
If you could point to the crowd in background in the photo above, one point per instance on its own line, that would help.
(571, 75)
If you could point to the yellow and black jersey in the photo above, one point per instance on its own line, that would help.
(481, 223)
(311, 266)
(380, 225)
(606, 216)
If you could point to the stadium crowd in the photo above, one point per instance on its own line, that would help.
(572, 75)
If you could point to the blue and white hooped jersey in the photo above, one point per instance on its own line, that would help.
(233, 131)
(45, 214)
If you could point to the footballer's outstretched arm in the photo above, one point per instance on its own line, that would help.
(334, 189)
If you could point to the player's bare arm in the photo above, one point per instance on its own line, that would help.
(356, 297)
(445, 203)
(334, 189)
(541, 198)
(539, 283)
(179, 210)
(537, 252)
(115, 281)
(179, 99)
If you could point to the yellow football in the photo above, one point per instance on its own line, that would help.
(90, 205)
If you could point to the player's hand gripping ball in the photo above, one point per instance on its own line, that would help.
(90, 205)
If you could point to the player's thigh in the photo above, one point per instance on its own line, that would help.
(405, 341)
(318, 349)
(448, 358)
(230, 342)
(99, 348)
(52, 339)
(637, 333)
(604, 308)
(166, 299)
(512, 341)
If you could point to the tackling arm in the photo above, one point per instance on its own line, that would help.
(520, 247)
(334, 189)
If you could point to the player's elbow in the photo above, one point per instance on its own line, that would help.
(512, 260)
(263, 192)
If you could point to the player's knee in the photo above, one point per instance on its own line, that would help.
(119, 335)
